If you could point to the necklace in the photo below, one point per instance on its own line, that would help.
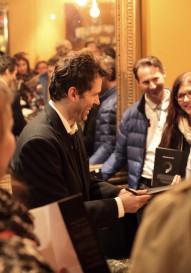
(158, 112)
(155, 108)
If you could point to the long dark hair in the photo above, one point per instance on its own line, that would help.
(174, 111)
(29, 74)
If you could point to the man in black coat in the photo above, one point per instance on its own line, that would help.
(51, 157)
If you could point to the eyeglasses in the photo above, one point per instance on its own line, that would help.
(180, 97)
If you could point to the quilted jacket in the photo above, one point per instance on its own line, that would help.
(105, 133)
(130, 145)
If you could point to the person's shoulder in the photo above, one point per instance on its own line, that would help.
(47, 124)
(37, 134)
(35, 124)
(43, 76)
(172, 200)
(109, 103)
(131, 110)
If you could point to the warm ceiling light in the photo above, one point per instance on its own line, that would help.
(81, 3)
(52, 16)
(94, 11)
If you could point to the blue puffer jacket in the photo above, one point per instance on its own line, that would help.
(105, 135)
(130, 145)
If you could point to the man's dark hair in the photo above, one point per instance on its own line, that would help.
(7, 62)
(109, 62)
(77, 69)
(109, 51)
(148, 61)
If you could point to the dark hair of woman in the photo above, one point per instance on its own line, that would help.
(174, 112)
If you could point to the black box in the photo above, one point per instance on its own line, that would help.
(168, 163)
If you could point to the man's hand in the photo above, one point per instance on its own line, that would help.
(131, 202)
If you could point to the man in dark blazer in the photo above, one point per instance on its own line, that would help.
(50, 155)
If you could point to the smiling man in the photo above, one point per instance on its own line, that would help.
(50, 155)
(141, 126)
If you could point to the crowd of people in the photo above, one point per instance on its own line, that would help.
(70, 124)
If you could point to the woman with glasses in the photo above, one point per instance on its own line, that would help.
(177, 132)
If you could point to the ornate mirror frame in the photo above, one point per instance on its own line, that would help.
(128, 48)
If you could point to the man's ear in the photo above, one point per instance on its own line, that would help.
(7, 72)
(73, 94)
(164, 73)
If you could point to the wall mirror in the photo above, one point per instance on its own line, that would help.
(118, 25)
(128, 48)
(3, 27)
(88, 20)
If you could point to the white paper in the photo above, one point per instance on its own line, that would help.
(56, 245)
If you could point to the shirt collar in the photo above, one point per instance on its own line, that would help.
(163, 105)
(70, 130)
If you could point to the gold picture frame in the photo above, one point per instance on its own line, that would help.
(128, 48)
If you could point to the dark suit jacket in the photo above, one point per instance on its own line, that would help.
(90, 129)
(45, 160)
(19, 120)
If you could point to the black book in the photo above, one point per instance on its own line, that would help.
(83, 235)
(168, 163)
(68, 240)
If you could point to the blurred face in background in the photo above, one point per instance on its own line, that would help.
(41, 68)
(94, 49)
(22, 67)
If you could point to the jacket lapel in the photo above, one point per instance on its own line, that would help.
(66, 143)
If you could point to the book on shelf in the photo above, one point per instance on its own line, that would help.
(68, 240)
(168, 163)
